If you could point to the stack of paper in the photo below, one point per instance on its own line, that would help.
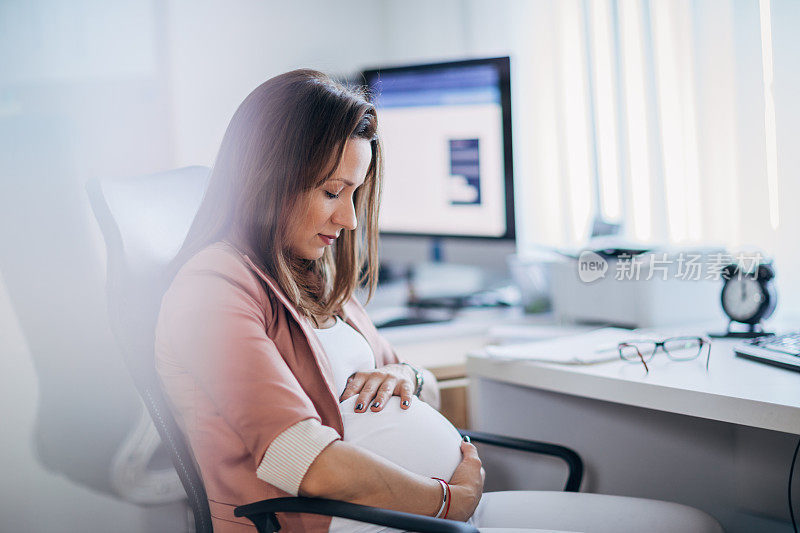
(598, 346)
(525, 333)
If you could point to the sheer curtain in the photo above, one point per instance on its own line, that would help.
(662, 116)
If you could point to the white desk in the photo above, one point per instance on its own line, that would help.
(721, 440)
(733, 390)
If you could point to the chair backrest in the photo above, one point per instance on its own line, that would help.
(144, 221)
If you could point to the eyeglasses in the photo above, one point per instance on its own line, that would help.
(676, 348)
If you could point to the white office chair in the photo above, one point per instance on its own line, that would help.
(144, 221)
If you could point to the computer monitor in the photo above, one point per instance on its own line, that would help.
(446, 129)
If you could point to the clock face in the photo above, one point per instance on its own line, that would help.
(742, 298)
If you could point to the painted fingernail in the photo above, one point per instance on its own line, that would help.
(466, 438)
(359, 407)
(405, 403)
(376, 405)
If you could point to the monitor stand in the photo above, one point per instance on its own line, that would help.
(437, 250)
(424, 293)
(432, 292)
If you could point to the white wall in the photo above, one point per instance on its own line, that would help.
(220, 51)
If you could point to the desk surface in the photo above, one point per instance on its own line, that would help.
(733, 390)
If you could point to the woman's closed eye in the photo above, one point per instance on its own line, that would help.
(331, 195)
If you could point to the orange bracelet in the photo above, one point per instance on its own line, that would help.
(449, 497)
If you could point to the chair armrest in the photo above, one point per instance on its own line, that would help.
(262, 514)
(570, 456)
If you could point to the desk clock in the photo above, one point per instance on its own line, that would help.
(748, 298)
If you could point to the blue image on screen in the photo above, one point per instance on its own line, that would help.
(465, 172)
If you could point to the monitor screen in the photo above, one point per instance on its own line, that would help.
(446, 131)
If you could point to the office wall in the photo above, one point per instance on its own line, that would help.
(217, 52)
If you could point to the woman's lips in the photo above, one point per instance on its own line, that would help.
(327, 239)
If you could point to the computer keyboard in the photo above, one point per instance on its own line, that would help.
(780, 350)
(394, 316)
(410, 321)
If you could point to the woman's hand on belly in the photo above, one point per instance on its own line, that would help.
(374, 388)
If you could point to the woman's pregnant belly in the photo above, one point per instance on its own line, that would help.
(419, 438)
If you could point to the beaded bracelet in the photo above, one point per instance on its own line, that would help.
(418, 377)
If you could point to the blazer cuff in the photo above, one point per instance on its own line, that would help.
(291, 453)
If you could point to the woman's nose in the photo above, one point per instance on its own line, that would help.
(345, 216)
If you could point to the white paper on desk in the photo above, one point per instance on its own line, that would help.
(525, 333)
(598, 346)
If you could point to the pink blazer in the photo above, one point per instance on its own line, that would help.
(239, 365)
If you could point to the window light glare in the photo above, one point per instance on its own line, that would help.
(769, 112)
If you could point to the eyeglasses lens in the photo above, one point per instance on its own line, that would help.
(683, 349)
(630, 350)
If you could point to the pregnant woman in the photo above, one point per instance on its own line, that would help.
(276, 374)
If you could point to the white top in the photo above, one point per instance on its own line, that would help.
(347, 350)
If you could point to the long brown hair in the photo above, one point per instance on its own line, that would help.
(285, 139)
